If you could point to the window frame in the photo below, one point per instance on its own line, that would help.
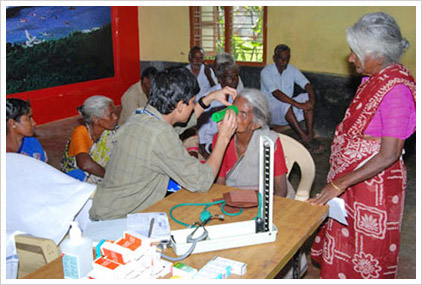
(227, 36)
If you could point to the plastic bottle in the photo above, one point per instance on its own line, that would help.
(77, 254)
(218, 116)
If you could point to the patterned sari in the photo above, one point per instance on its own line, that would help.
(100, 152)
(369, 246)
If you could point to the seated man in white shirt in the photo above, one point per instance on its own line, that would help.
(228, 75)
(203, 73)
(137, 94)
(277, 83)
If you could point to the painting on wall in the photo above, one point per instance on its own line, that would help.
(50, 46)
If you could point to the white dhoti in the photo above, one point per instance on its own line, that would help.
(279, 109)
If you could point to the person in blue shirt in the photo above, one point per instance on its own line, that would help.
(20, 130)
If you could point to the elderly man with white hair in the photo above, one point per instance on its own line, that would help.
(228, 75)
(227, 57)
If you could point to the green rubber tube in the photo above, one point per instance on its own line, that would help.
(218, 116)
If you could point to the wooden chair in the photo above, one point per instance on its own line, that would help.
(34, 252)
(295, 152)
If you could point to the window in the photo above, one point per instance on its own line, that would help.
(239, 30)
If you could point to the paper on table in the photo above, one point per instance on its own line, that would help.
(108, 230)
(141, 223)
(337, 210)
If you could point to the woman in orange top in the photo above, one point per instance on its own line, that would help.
(89, 148)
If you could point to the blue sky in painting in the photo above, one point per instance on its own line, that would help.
(54, 22)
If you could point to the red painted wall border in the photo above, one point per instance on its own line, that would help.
(60, 102)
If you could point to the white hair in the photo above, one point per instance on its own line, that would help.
(223, 68)
(377, 34)
(223, 58)
(94, 106)
(259, 103)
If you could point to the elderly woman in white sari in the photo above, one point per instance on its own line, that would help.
(240, 167)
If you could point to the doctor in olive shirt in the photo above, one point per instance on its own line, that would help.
(149, 152)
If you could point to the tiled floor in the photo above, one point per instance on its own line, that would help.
(53, 137)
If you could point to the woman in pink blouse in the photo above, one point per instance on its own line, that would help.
(367, 169)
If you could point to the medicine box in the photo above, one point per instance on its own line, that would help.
(162, 268)
(104, 268)
(183, 270)
(129, 247)
(213, 270)
(237, 267)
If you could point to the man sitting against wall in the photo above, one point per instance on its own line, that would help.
(137, 94)
(277, 82)
(206, 79)
(203, 72)
(148, 150)
(228, 75)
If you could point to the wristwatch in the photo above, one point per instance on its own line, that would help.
(202, 104)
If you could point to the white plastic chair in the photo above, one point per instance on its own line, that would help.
(295, 152)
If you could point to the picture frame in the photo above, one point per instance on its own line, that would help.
(54, 103)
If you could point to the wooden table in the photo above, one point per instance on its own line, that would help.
(296, 221)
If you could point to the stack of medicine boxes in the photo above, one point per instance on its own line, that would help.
(131, 257)
(134, 257)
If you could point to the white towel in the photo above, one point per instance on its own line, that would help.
(41, 200)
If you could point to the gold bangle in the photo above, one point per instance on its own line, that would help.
(336, 187)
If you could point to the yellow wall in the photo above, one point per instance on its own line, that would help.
(316, 35)
(164, 33)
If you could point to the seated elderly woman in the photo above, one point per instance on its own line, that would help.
(88, 149)
(20, 130)
(240, 166)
